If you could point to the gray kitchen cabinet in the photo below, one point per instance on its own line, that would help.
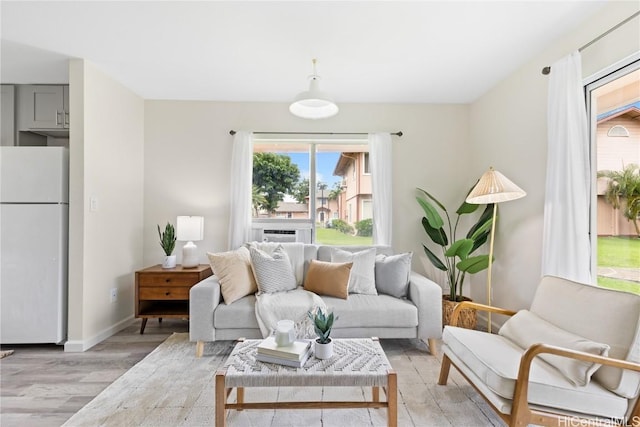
(8, 119)
(43, 107)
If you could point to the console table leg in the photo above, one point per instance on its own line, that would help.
(144, 324)
(221, 397)
(392, 399)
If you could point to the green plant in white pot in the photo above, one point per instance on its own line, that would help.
(322, 324)
(168, 244)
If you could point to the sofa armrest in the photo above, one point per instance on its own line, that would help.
(427, 296)
(521, 413)
(204, 297)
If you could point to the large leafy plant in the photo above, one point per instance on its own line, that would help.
(456, 258)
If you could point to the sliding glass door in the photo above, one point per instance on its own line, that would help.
(614, 116)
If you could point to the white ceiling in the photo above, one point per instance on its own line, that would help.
(368, 51)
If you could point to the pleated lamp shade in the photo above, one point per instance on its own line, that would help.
(493, 187)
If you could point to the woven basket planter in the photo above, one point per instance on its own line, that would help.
(467, 318)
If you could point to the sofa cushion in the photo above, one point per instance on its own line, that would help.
(328, 278)
(361, 310)
(596, 314)
(233, 270)
(526, 329)
(495, 361)
(272, 271)
(362, 279)
(392, 274)
(324, 251)
(239, 315)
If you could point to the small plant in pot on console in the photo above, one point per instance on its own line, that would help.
(322, 324)
(168, 244)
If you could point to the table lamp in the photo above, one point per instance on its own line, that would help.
(190, 229)
(493, 187)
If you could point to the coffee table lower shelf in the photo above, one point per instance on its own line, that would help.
(242, 370)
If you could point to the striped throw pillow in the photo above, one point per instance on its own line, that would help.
(273, 272)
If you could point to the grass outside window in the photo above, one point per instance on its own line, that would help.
(622, 253)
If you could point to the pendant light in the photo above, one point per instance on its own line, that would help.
(313, 104)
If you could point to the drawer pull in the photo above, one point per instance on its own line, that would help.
(167, 280)
(168, 293)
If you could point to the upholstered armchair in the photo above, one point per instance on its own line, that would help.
(572, 359)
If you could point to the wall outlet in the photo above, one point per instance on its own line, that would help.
(114, 294)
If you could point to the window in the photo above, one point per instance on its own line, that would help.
(365, 164)
(309, 181)
(618, 130)
(613, 109)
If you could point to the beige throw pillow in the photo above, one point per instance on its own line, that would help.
(526, 329)
(328, 278)
(234, 273)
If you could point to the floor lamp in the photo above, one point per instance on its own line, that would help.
(493, 187)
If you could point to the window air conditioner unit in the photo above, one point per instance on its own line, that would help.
(276, 231)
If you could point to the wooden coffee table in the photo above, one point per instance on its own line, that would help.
(355, 363)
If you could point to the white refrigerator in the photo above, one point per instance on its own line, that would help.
(34, 223)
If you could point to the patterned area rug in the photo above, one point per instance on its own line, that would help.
(171, 387)
(5, 353)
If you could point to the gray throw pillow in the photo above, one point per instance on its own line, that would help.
(273, 272)
(392, 274)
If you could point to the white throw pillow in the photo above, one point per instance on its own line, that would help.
(362, 279)
(526, 329)
(273, 272)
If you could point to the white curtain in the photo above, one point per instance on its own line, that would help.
(241, 180)
(380, 161)
(566, 249)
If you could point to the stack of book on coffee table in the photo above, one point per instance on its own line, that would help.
(294, 354)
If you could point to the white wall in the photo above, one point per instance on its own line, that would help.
(106, 162)
(188, 154)
(509, 132)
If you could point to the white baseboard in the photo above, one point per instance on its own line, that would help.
(78, 346)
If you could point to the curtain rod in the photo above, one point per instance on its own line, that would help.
(233, 132)
(547, 70)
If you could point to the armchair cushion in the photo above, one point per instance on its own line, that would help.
(526, 329)
(494, 360)
(597, 314)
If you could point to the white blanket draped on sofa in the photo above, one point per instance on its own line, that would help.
(293, 305)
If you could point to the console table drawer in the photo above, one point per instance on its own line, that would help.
(164, 293)
(162, 279)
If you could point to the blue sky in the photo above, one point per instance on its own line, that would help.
(326, 163)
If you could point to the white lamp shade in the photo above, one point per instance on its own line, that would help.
(190, 228)
(493, 187)
(313, 104)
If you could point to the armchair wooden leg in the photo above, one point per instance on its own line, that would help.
(444, 370)
(199, 348)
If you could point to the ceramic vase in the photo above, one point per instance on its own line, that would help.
(169, 261)
(323, 351)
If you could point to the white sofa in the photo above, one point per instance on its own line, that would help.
(360, 316)
(544, 365)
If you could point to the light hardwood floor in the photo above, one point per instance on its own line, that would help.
(41, 385)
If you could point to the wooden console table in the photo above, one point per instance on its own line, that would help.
(164, 292)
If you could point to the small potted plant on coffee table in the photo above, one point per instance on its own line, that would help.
(322, 324)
